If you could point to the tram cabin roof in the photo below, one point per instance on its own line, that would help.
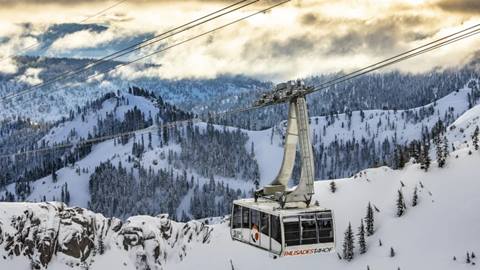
(273, 208)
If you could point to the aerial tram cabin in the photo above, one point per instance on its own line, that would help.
(283, 232)
(278, 219)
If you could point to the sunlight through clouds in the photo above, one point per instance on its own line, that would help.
(301, 38)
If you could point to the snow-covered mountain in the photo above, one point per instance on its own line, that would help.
(198, 155)
(53, 101)
(436, 233)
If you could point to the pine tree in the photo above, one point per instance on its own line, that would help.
(401, 207)
(439, 151)
(101, 246)
(361, 238)
(54, 176)
(468, 258)
(348, 244)
(446, 151)
(425, 157)
(165, 135)
(333, 187)
(475, 137)
(67, 194)
(369, 220)
(392, 252)
(415, 197)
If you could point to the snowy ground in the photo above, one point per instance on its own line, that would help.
(444, 224)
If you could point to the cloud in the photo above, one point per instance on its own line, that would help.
(460, 6)
(8, 65)
(82, 39)
(30, 76)
(15, 38)
(299, 39)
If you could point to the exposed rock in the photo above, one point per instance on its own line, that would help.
(41, 231)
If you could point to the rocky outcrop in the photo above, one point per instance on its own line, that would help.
(41, 232)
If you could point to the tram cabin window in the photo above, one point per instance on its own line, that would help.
(275, 230)
(309, 229)
(325, 231)
(237, 217)
(264, 223)
(292, 231)
(255, 218)
(245, 218)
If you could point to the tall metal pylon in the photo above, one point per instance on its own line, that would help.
(298, 131)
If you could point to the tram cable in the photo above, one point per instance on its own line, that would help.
(103, 11)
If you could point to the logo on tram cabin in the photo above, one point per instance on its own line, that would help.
(255, 234)
(308, 251)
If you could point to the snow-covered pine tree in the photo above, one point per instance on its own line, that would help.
(101, 245)
(54, 176)
(446, 151)
(401, 207)
(415, 197)
(475, 137)
(426, 156)
(437, 140)
(361, 238)
(392, 252)
(165, 136)
(348, 244)
(369, 220)
(333, 187)
(468, 258)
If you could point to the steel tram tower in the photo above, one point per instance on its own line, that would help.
(293, 93)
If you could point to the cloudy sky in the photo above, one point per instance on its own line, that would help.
(298, 39)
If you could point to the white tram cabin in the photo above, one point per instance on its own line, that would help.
(282, 232)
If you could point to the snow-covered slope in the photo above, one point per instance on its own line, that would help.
(400, 125)
(437, 233)
(442, 226)
(373, 127)
(81, 126)
(77, 176)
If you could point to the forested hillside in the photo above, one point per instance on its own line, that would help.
(194, 170)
